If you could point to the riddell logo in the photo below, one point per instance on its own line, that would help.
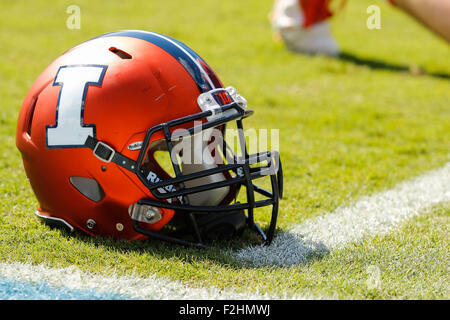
(222, 97)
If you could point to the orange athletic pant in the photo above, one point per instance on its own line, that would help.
(314, 11)
(318, 10)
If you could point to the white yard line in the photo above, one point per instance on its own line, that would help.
(368, 217)
(132, 287)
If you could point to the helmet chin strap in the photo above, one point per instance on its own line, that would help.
(200, 160)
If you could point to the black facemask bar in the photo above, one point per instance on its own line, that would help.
(244, 174)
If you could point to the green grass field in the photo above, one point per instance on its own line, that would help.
(349, 127)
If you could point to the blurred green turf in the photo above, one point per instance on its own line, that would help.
(349, 126)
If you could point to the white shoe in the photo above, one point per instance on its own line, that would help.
(287, 20)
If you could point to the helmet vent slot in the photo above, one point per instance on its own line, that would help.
(120, 53)
(88, 187)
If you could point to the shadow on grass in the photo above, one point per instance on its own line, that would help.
(246, 251)
(288, 249)
(383, 65)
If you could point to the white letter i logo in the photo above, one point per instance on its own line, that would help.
(69, 131)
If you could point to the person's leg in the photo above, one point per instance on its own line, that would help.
(303, 27)
(435, 14)
(314, 11)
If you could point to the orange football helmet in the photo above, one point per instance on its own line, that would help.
(93, 123)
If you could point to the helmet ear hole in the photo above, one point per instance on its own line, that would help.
(88, 187)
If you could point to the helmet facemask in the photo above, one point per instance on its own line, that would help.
(207, 174)
(81, 134)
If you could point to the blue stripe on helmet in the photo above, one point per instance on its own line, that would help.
(184, 55)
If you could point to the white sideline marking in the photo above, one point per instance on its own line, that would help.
(128, 286)
(368, 217)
